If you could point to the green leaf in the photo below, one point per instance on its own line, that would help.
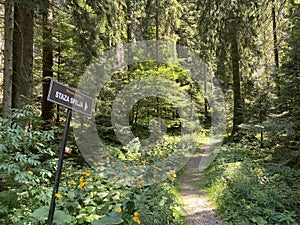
(3, 148)
(60, 217)
(108, 220)
(259, 220)
(41, 213)
(71, 194)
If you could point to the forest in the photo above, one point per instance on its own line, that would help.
(166, 77)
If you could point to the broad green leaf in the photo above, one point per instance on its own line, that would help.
(108, 220)
(40, 213)
(61, 217)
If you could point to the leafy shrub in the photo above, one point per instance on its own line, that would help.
(27, 162)
(23, 156)
(248, 189)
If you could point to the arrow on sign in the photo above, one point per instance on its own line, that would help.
(85, 106)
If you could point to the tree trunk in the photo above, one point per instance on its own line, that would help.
(8, 57)
(156, 20)
(47, 107)
(205, 99)
(276, 54)
(131, 26)
(22, 56)
(235, 61)
(157, 31)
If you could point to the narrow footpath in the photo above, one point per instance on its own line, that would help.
(198, 208)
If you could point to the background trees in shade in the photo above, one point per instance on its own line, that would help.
(252, 48)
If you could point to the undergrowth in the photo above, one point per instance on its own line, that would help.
(248, 187)
(28, 159)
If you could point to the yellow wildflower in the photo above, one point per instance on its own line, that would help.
(90, 179)
(30, 172)
(70, 168)
(73, 182)
(118, 210)
(63, 173)
(136, 214)
(58, 195)
(137, 220)
(81, 178)
(172, 174)
(83, 185)
(141, 182)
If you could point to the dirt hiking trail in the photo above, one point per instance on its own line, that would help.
(198, 209)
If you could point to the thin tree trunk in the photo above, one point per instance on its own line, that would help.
(8, 57)
(205, 99)
(22, 55)
(157, 20)
(157, 28)
(130, 26)
(130, 20)
(136, 114)
(235, 61)
(261, 122)
(47, 107)
(276, 54)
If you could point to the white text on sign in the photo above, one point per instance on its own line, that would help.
(66, 98)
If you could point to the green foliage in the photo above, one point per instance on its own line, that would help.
(248, 189)
(60, 217)
(85, 196)
(150, 107)
(23, 156)
(287, 111)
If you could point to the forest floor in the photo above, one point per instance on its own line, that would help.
(196, 204)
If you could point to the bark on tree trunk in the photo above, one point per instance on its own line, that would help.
(22, 56)
(8, 57)
(205, 99)
(47, 107)
(276, 53)
(157, 28)
(235, 61)
(130, 26)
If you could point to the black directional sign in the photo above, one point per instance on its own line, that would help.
(70, 98)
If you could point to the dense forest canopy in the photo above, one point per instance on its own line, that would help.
(250, 46)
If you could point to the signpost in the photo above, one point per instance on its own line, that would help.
(73, 100)
(70, 98)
